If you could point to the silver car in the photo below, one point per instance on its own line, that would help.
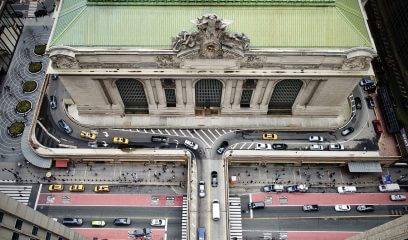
(201, 189)
(190, 144)
(316, 139)
(316, 147)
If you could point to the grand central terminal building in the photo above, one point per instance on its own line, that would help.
(247, 63)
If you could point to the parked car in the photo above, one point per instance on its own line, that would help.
(158, 222)
(256, 205)
(120, 140)
(366, 81)
(159, 139)
(72, 221)
(40, 13)
(54, 77)
(88, 135)
(336, 147)
(377, 126)
(201, 233)
(141, 232)
(77, 188)
(398, 197)
(370, 102)
(310, 208)
(98, 223)
(96, 144)
(222, 147)
(346, 189)
(201, 189)
(101, 188)
(342, 208)
(370, 88)
(347, 131)
(297, 188)
(53, 102)
(357, 102)
(263, 146)
(190, 144)
(316, 147)
(365, 208)
(279, 146)
(269, 136)
(273, 188)
(62, 124)
(391, 187)
(214, 179)
(122, 221)
(56, 188)
(316, 139)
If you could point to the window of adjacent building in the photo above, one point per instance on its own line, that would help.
(35, 230)
(170, 97)
(19, 224)
(48, 237)
(15, 236)
(1, 216)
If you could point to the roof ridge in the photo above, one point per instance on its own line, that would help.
(353, 26)
(348, 9)
(73, 8)
(56, 38)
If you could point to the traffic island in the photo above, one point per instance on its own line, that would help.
(23, 107)
(16, 129)
(35, 67)
(39, 50)
(29, 86)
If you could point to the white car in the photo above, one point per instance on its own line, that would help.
(158, 222)
(263, 146)
(398, 197)
(336, 147)
(316, 147)
(190, 144)
(346, 189)
(316, 139)
(201, 189)
(342, 208)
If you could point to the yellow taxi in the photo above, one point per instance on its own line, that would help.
(55, 188)
(119, 140)
(88, 135)
(77, 188)
(101, 188)
(97, 223)
(269, 136)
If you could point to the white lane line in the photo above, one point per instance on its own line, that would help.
(207, 136)
(182, 133)
(145, 130)
(250, 210)
(160, 131)
(38, 196)
(250, 146)
(224, 131)
(190, 133)
(230, 130)
(233, 146)
(212, 134)
(137, 130)
(152, 131)
(242, 146)
(218, 132)
(168, 133)
(175, 132)
(202, 138)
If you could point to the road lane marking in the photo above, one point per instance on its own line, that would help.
(168, 133)
(145, 130)
(207, 136)
(224, 131)
(251, 213)
(250, 146)
(242, 146)
(38, 196)
(152, 131)
(160, 131)
(212, 133)
(190, 133)
(202, 139)
(321, 217)
(182, 133)
(175, 132)
(218, 132)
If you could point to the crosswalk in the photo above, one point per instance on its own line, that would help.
(32, 7)
(243, 146)
(207, 136)
(235, 218)
(20, 193)
(397, 212)
(184, 219)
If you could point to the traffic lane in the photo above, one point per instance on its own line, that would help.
(115, 234)
(299, 235)
(296, 211)
(111, 212)
(314, 224)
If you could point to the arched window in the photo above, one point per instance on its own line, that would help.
(284, 95)
(133, 95)
(208, 93)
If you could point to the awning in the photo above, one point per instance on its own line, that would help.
(61, 163)
(364, 166)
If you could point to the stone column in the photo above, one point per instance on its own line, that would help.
(179, 93)
(226, 102)
(257, 94)
(267, 95)
(151, 101)
(189, 92)
(238, 93)
(308, 92)
(160, 94)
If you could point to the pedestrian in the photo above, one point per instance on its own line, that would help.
(13, 149)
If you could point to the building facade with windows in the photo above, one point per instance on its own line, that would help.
(20, 222)
(126, 60)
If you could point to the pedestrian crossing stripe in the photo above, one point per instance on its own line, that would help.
(235, 218)
(184, 219)
(20, 193)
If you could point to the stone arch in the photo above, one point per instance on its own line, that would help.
(284, 95)
(133, 95)
(208, 93)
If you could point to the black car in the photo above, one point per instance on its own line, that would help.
(365, 208)
(54, 77)
(62, 124)
(347, 131)
(72, 221)
(159, 139)
(370, 102)
(222, 147)
(357, 101)
(310, 208)
(40, 13)
(53, 102)
(256, 205)
(122, 221)
(214, 179)
(141, 232)
(370, 88)
(279, 146)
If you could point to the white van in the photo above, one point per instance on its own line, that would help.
(216, 210)
(393, 187)
(346, 189)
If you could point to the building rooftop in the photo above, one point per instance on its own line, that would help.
(267, 23)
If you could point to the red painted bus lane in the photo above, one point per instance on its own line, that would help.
(115, 233)
(298, 199)
(320, 235)
(135, 200)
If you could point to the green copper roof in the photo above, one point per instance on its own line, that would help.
(82, 24)
(212, 2)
